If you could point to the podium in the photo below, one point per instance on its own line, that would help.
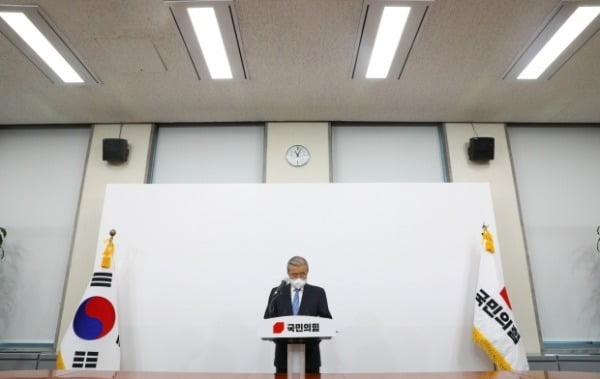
(295, 331)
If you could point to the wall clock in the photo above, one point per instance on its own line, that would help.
(297, 155)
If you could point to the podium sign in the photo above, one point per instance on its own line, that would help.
(296, 327)
(295, 330)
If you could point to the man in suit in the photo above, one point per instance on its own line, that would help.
(298, 298)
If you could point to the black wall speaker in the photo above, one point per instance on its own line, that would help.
(481, 148)
(115, 150)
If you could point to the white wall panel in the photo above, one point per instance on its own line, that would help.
(387, 154)
(196, 264)
(556, 171)
(207, 154)
(41, 178)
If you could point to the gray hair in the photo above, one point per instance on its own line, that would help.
(298, 261)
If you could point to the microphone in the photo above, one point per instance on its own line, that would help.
(283, 283)
(274, 296)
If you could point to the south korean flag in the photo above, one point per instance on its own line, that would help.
(92, 339)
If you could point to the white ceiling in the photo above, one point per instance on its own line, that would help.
(299, 59)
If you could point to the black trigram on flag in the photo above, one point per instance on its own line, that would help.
(101, 279)
(85, 359)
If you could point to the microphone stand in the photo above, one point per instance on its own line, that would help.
(275, 295)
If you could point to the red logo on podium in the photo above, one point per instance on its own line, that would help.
(278, 327)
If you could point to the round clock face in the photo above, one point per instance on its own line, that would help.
(297, 155)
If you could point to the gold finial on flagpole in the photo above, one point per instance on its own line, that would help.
(108, 250)
(488, 239)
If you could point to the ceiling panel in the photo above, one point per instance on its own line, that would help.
(299, 59)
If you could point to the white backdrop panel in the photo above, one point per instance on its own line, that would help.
(398, 261)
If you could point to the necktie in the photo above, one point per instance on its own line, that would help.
(296, 301)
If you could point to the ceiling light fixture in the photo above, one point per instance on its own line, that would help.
(387, 33)
(388, 36)
(579, 20)
(211, 37)
(40, 44)
(206, 26)
(31, 32)
(565, 32)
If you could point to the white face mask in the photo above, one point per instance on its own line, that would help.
(298, 283)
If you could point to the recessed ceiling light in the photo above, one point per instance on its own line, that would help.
(211, 37)
(19, 22)
(387, 33)
(565, 32)
(32, 32)
(579, 20)
(206, 26)
(388, 36)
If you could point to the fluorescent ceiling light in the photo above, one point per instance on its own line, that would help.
(42, 47)
(391, 26)
(386, 35)
(30, 30)
(565, 32)
(206, 27)
(568, 32)
(211, 37)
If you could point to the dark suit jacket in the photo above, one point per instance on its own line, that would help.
(314, 303)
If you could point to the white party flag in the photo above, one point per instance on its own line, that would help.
(494, 326)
